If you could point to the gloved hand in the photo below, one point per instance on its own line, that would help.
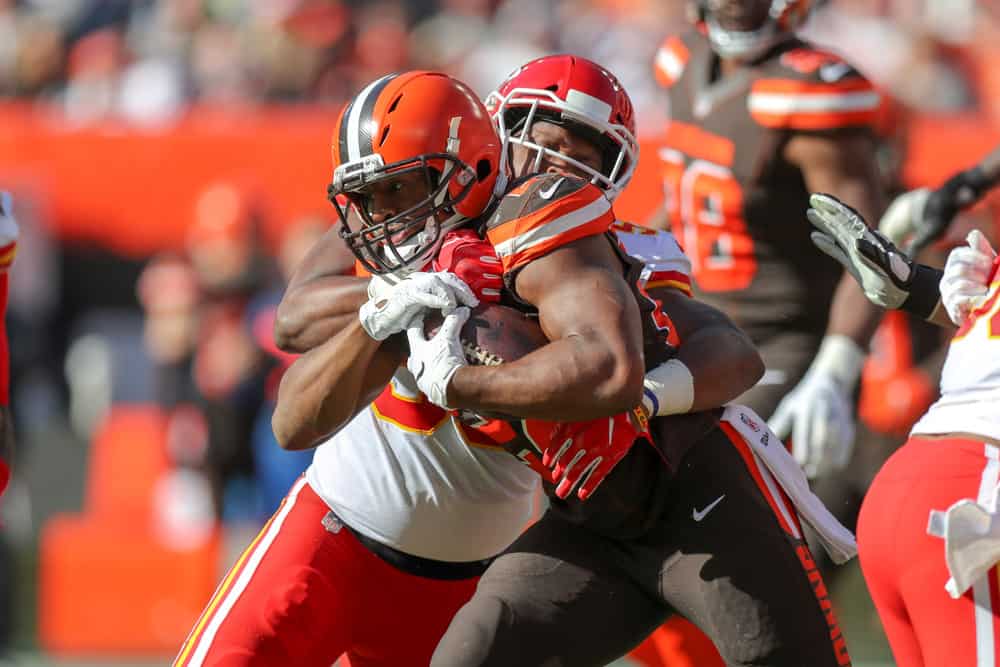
(971, 535)
(580, 455)
(474, 261)
(818, 413)
(904, 216)
(393, 304)
(966, 276)
(886, 275)
(942, 205)
(435, 360)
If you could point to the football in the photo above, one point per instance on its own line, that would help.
(494, 334)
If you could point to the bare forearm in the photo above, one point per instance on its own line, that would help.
(721, 358)
(572, 379)
(327, 386)
(852, 314)
(723, 363)
(313, 312)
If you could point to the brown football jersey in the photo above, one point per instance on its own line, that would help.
(543, 212)
(734, 203)
(538, 215)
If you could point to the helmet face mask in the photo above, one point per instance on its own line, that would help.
(404, 240)
(414, 155)
(581, 97)
(517, 118)
(746, 29)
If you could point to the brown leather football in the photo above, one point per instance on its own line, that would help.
(494, 334)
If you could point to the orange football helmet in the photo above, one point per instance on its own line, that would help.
(423, 122)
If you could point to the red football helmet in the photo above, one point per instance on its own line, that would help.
(422, 122)
(575, 92)
(746, 29)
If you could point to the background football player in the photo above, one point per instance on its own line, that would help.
(758, 119)
(934, 610)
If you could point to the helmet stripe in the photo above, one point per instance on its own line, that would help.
(358, 127)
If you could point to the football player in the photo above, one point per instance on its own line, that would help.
(758, 119)
(643, 538)
(944, 481)
(373, 552)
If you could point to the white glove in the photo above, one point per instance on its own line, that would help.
(433, 362)
(393, 305)
(971, 535)
(818, 414)
(903, 217)
(964, 284)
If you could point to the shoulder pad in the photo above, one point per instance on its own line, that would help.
(671, 59)
(805, 88)
(543, 213)
(665, 264)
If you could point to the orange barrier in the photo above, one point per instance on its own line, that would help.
(132, 189)
(107, 584)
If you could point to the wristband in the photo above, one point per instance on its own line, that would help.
(668, 389)
(924, 291)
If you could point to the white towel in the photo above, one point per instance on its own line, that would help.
(768, 448)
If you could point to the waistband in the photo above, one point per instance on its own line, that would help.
(418, 566)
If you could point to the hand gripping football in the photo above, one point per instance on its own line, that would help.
(494, 334)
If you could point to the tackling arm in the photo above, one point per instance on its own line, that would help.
(721, 358)
(319, 300)
(325, 387)
(594, 365)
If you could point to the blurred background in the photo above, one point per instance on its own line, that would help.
(168, 160)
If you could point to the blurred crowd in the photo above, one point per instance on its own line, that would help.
(146, 60)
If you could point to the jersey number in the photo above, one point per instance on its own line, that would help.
(704, 203)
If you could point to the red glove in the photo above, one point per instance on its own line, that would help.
(474, 261)
(584, 453)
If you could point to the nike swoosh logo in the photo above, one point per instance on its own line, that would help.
(698, 516)
(419, 373)
(547, 194)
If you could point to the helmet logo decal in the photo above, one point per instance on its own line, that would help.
(358, 125)
(453, 140)
(586, 106)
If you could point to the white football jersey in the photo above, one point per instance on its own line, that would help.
(666, 264)
(407, 474)
(970, 380)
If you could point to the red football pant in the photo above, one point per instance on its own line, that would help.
(301, 595)
(905, 567)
